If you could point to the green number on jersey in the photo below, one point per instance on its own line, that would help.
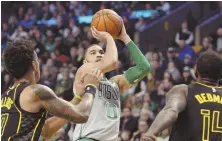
(111, 111)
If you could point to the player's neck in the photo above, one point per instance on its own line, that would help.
(208, 81)
(27, 78)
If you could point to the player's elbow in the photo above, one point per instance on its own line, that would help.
(111, 64)
(83, 119)
(114, 64)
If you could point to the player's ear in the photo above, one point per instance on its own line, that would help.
(84, 61)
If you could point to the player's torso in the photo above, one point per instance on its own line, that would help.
(103, 122)
(202, 118)
(17, 124)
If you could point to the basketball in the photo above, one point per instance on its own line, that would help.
(107, 20)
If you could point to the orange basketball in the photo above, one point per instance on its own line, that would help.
(107, 20)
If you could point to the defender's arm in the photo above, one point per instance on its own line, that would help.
(176, 103)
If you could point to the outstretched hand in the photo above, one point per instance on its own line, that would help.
(93, 77)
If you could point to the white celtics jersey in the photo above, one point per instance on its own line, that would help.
(104, 119)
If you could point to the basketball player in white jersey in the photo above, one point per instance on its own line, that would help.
(104, 119)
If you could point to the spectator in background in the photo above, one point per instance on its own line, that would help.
(148, 6)
(172, 57)
(73, 56)
(128, 122)
(219, 39)
(64, 50)
(173, 71)
(157, 71)
(140, 25)
(51, 65)
(184, 50)
(65, 83)
(149, 54)
(138, 89)
(167, 75)
(19, 34)
(136, 105)
(37, 41)
(165, 7)
(6, 30)
(21, 13)
(49, 41)
(187, 61)
(184, 34)
(164, 87)
(206, 44)
(186, 77)
(143, 127)
(7, 82)
(47, 78)
(144, 116)
(27, 22)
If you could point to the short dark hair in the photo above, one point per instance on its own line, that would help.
(87, 49)
(209, 65)
(18, 57)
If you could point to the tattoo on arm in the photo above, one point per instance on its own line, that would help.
(59, 107)
(176, 103)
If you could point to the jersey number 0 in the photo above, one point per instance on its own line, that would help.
(111, 111)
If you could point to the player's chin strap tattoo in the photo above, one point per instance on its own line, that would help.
(138, 72)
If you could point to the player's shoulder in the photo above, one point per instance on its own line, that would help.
(38, 90)
(180, 89)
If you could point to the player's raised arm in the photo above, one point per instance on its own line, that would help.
(109, 60)
(136, 73)
(175, 103)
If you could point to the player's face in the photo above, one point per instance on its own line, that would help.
(94, 54)
(36, 68)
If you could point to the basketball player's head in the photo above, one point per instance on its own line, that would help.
(21, 60)
(209, 66)
(93, 53)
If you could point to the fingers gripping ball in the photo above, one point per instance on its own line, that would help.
(107, 20)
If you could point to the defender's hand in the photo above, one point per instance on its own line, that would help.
(80, 88)
(100, 35)
(93, 77)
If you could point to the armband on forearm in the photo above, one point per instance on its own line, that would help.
(90, 89)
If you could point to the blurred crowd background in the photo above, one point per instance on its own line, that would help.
(61, 36)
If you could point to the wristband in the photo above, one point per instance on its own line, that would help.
(78, 97)
(90, 89)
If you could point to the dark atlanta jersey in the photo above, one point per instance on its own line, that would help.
(17, 124)
(202, 118)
